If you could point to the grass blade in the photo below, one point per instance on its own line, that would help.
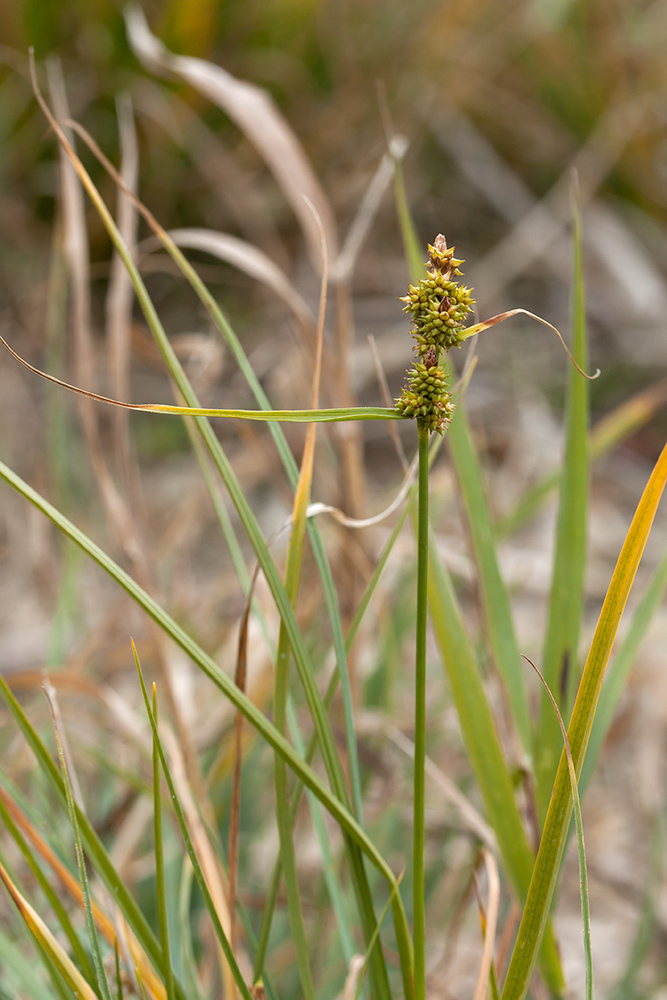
(161, 888)
(555, 831)
(566, 602)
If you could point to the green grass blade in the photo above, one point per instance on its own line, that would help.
(560, 667)
(160, 883)
(56, 958)
(412, 248)
(92, 843)
(555, 831)
(280, 695)
(498, 614)
(483, 747)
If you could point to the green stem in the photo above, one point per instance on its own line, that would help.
(420, 714)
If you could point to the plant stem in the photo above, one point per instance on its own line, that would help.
(420, 714)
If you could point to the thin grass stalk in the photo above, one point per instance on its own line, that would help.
(419, 912)
(160, 884)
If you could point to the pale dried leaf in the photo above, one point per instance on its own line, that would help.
(256, 114)
(252, 261)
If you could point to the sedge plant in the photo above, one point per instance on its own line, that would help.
(144, 952)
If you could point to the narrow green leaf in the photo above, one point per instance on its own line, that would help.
(161, 888)
(554, 835)
(560, 667)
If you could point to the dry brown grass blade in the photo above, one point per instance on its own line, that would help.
(54, 705)
(486, 324)
(256, 114)
(71, 885)
(120, 294)
(343, 268)
(489, 918)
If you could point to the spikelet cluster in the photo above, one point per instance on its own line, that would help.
(426, 396)
(439, 306)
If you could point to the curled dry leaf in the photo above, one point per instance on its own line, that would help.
(256, 114)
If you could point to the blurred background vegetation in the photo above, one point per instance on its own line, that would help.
(499, 104)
